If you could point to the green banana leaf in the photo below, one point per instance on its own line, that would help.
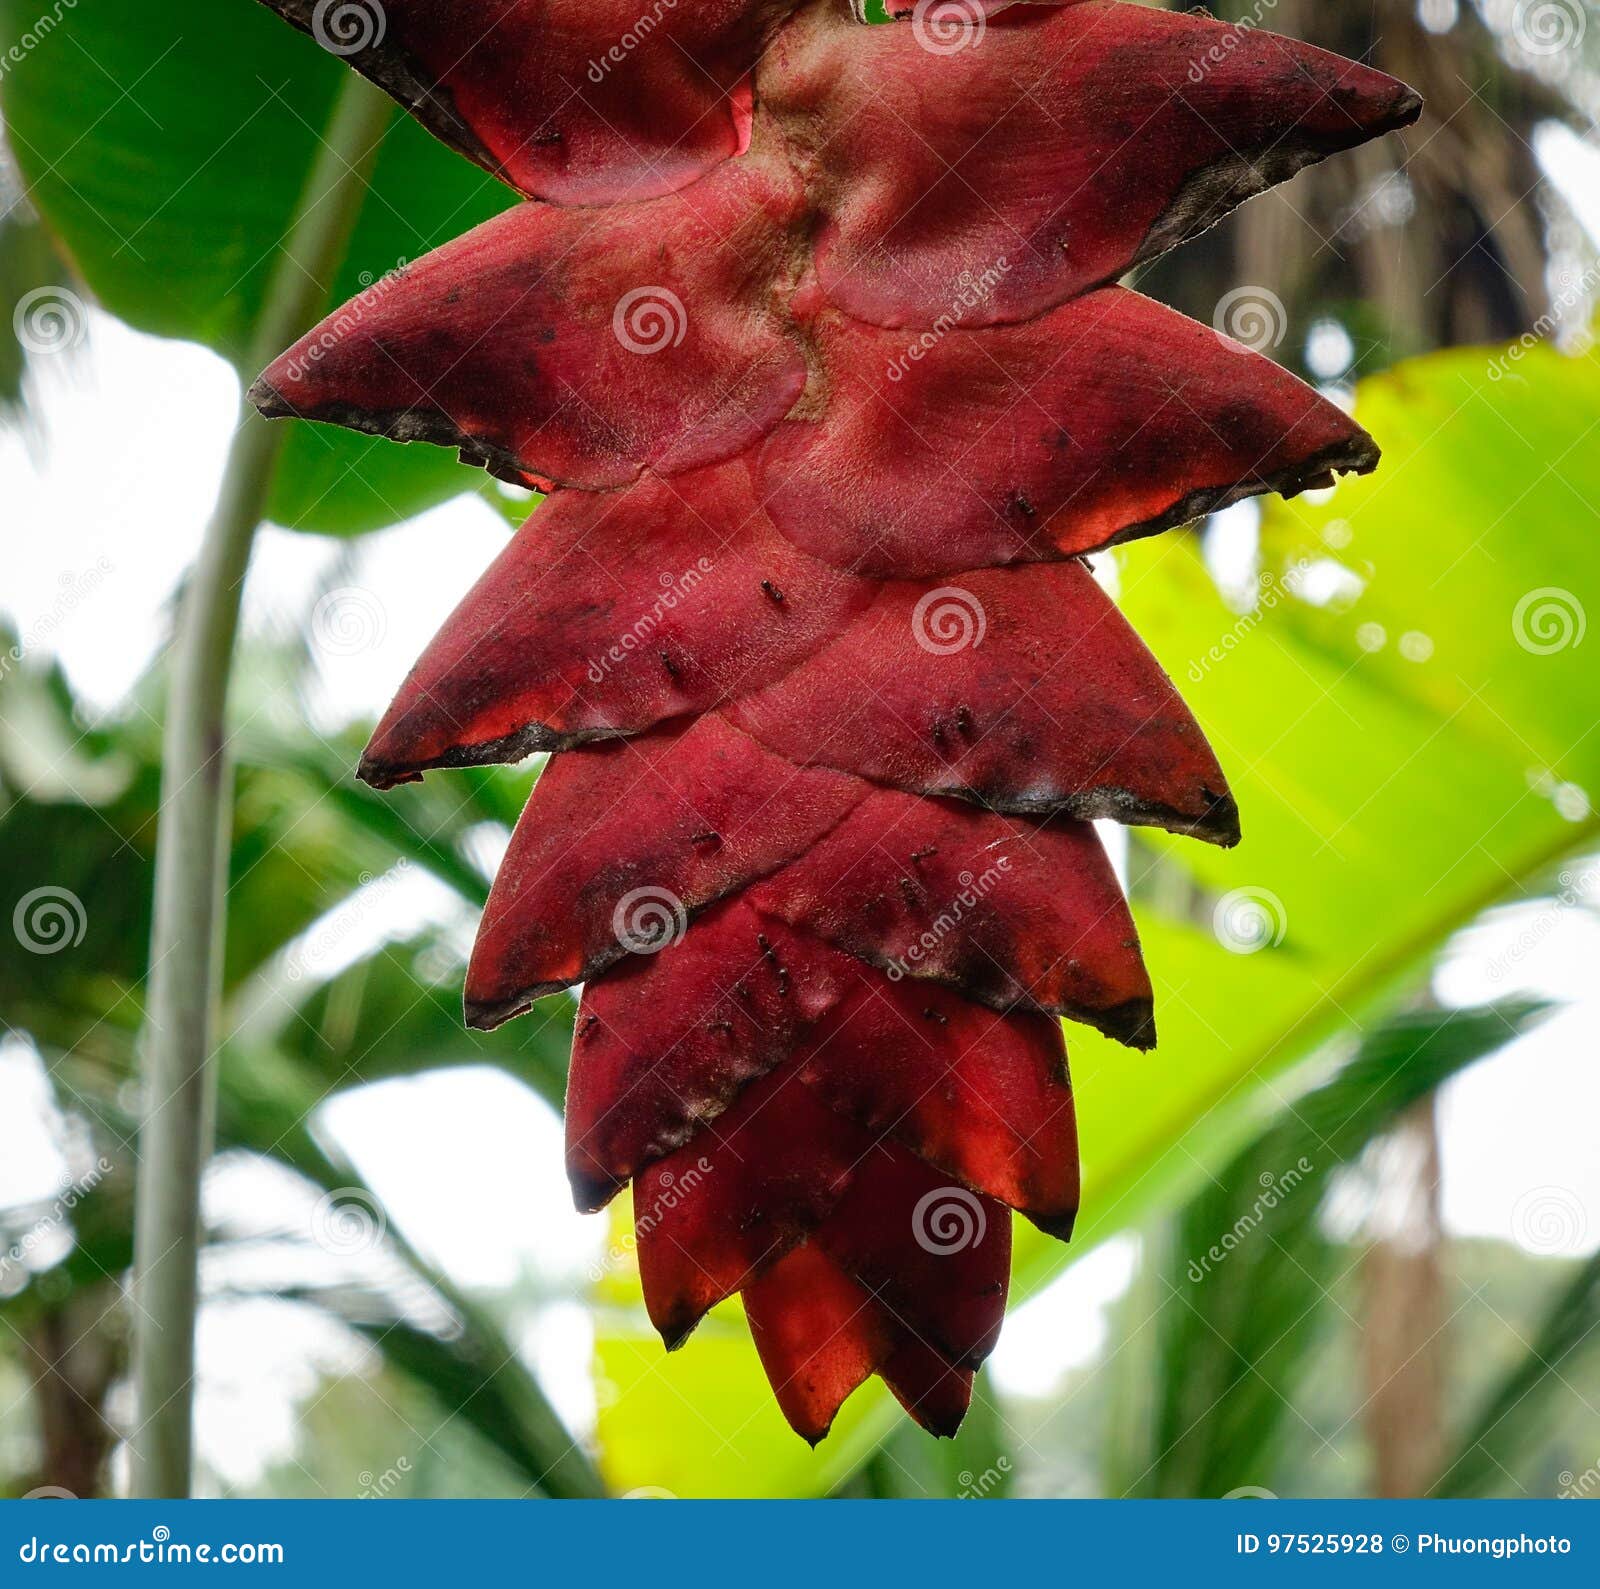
(1403, 760)
(165, 145)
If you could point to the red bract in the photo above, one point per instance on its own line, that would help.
(828, 375)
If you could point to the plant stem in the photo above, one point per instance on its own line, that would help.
(195, 832)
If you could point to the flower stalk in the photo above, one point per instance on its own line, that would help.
(194, 839)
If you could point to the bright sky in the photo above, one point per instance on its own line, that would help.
(470, 1165)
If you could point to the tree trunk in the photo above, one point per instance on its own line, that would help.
(73, 1360)
(1404, 1312)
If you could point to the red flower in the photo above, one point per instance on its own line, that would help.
(812, 334)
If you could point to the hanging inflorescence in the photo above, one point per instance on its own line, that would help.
(813, 336)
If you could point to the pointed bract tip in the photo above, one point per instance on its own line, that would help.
(1407, 107)
(591, 1193)
(1132, 1024)
(268, 401)
(1221, 824)
(941, 1425)
(384, 775)
(484, 1015)
(674, 1332)
(1058, 1225)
